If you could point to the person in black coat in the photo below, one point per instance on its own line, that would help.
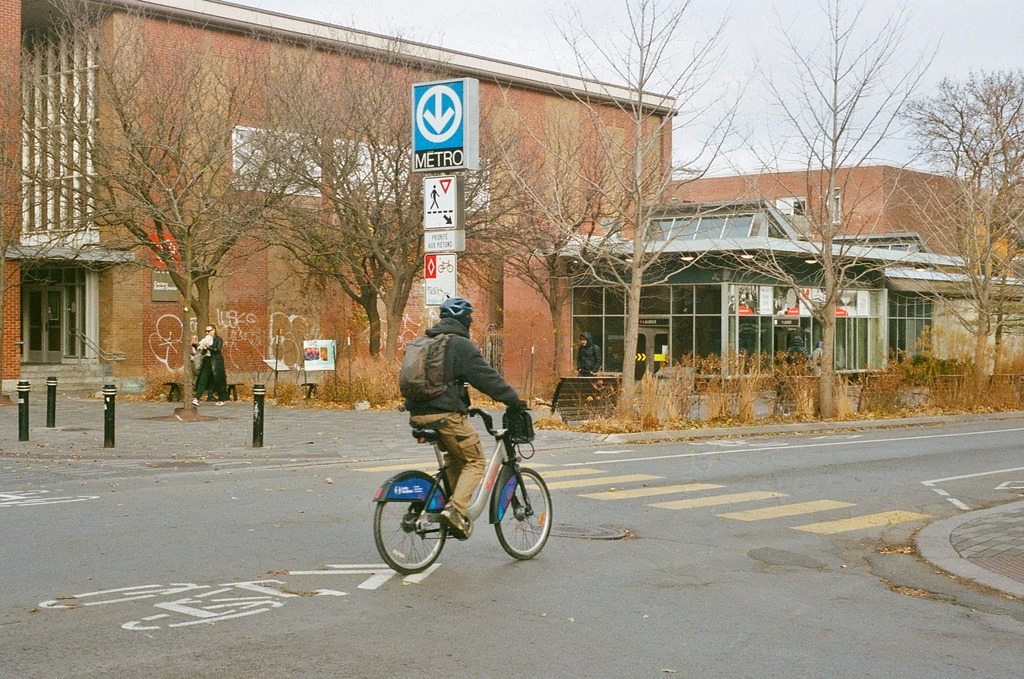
(448, 413)
(212, 372)
(588, 358)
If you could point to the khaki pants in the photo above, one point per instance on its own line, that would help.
(464, 454)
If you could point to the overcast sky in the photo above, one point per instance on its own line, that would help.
(964, 35)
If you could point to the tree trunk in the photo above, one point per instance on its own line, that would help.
(827, 379)
(629, 341)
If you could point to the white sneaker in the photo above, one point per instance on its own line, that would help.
(195, 401)
(459, 524)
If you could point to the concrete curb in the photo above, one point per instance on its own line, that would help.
(933, 545)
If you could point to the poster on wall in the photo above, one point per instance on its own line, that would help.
(318, 355)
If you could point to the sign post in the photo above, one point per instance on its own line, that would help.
(445, 137)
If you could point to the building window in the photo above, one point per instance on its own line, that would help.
(792, 206)
(58, 129)
(909, 316)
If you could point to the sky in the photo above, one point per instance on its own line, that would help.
(957, 36)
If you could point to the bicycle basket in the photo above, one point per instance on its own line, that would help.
(519, 426)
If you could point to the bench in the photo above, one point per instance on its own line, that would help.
(582, 398)
(173, 391)
(310, 388)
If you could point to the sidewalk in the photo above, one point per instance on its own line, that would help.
(985, 546)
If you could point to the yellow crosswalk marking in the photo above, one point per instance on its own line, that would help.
(858, 522)
(398, 468)
(429, 468)
(647, 492)
(603, 481)
(713, 500)
(580, 471)
(786, 510)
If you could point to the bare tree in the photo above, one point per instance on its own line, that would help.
(973, 133)
(354, 212)
(838, 106)
(341, 137)
(157, 168)
(561, 210)
(632, 128)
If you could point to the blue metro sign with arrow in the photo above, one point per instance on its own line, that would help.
(445, 125)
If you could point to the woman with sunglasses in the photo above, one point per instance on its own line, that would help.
(212, 374)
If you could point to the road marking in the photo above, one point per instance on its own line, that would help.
(397, 468)
(603, 481)
(714, 500)
(647, 492)
(808, 445)
(611, 452)
(953, 500)
(554, 473)
(786, 510)
(859, 522)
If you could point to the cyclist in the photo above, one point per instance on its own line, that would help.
(448, 413)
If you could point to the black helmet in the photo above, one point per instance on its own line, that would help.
(456, 307)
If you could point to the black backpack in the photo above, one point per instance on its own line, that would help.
(421, 377)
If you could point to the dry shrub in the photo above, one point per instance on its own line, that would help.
(286, 392)
(845, 407)
(374, 380)
(882, 392)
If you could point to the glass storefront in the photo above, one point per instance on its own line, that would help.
(679, 323)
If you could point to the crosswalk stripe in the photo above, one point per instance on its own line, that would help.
(779, 511)
(713, 500)
(603, 481)
(580, 471)
(432, 467)
(398, 468)
(858, 522)
(647, 492)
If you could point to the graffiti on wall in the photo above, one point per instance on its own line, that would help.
(244, 337)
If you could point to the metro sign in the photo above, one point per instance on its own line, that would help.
(446, 125)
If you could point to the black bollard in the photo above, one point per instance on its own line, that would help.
(51, 402)
(259, 392)
(109, 394)
(23, 389)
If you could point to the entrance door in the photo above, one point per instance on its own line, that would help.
(45, 325)
(652, 349)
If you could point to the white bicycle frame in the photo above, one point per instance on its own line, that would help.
(483, 492)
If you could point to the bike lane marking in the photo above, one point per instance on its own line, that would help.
(207, 604)
(34, 498)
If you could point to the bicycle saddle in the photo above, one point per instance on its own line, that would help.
(425, 435)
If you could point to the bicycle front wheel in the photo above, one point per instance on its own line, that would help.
(526, 524)
(406, 543)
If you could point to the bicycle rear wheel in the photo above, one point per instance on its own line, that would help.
(405, 543)
(523, 530)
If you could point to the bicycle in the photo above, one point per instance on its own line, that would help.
(407, 526)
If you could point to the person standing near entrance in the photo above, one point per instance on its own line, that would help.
(212, 373)
(588, 358)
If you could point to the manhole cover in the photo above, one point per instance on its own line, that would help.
(588, 532)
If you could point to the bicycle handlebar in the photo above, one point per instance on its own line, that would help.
(488, 420)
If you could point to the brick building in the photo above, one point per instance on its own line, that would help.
(79, 306)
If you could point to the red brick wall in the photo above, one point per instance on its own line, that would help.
(10, 203)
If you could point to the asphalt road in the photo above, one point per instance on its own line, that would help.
(759, 556)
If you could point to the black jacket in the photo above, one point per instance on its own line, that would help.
(463, 363)
(588, 359)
